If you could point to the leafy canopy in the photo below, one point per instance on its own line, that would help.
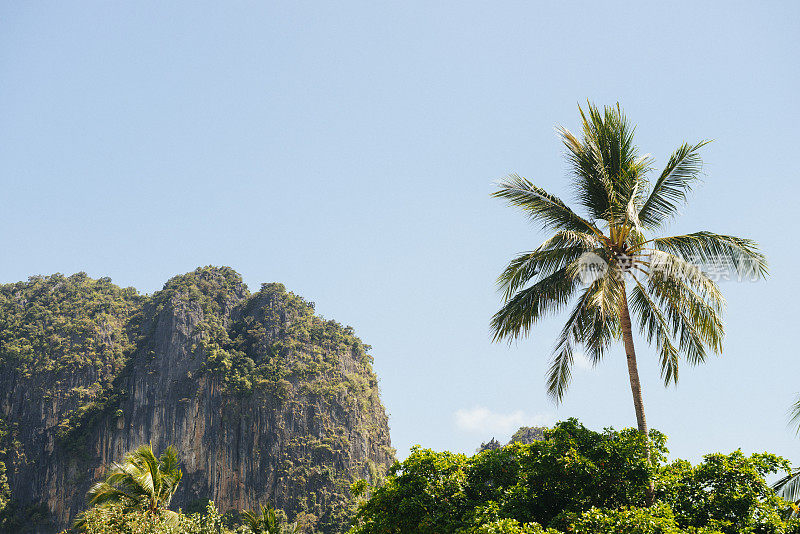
(115, 519)
(577, 480)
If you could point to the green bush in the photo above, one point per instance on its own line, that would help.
(657, 519)
(510, 526)
(578, 481)
(114, 520)
(727, 493)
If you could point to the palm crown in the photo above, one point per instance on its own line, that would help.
(266, 521)
(140, 482)
(676, 304)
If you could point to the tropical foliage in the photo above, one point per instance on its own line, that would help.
(60, 324)
(577, 480)
(54, 328)
(140, 483)
(265, 520)
(114, 519)
(663, 282)
(788, 486)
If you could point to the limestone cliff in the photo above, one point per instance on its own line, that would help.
(266, 401)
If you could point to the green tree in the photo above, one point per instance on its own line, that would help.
(726, 493)
(113, 518)
(576, 480)
(570, 471)
(788, 486)
(657, 519)
(141, 482)
(422, 495)
(660, 279)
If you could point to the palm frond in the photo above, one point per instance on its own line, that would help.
(521, 311)
(538, 263)
(670, 266)
(262, 521)
(606, 167)
(599, 333)
(124, 475)
(169, 461)
(541, 206)
(251, 519)
(172, 519)
(102, 492)
(149, 475)
(559, 374)
(655, 328)
(611, 136)
(589, 325)
(608, 291)
(717, 252)
(794, 415)
(603, 325)
(170, 474)
(695, 322)
(673, 185)
(555, 253)
(788, 487)
(140, 480)
(589, 189)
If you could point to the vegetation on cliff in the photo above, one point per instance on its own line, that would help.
(82, 359)
(61, 325)
(54, 328)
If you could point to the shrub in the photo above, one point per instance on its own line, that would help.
(114, 519)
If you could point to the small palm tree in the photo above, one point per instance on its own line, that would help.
(788, 487)
(662, 280)
(140, 482)
(265, 521)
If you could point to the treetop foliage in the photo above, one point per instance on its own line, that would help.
(576, 480)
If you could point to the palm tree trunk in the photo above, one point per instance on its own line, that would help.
(633, 369)
(633, 375)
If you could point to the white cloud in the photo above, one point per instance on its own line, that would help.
(488, 423)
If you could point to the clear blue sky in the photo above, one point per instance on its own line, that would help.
(348, 150)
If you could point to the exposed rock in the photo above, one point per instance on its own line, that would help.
(528, 434)
(265, 401)
(491, 445)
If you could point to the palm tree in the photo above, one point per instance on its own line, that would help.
(788, 487)
(664, 281)
(265, 521)
(140, 482)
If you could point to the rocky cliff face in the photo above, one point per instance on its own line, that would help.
(265, 401)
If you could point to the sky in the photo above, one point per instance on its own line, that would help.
(349, 150)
